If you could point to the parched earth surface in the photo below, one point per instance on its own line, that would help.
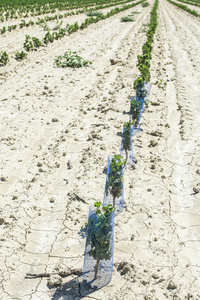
(58, 126)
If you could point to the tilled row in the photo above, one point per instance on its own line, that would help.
(34, 43)
(98, 260)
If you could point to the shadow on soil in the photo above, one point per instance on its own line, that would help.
(73, 289)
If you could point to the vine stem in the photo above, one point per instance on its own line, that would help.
(96, 268)
(126, 151)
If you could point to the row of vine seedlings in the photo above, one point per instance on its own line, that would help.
(33, 44)
(98, 259)
(24, 11)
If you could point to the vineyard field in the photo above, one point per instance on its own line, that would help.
(58, 126)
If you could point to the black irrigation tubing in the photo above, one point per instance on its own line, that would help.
(184, 7)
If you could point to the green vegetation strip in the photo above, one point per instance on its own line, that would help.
(42, 21)
(197, 1)
(189, 2)
(184, 7)
(34, 43)
(22, 12)
(143, 61)
(50, 3)
(49, 38)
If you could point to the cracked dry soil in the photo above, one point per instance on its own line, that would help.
(55, 118)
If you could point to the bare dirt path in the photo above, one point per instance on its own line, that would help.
(57, 128)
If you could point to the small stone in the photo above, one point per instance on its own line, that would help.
(46, 87)
(14, 197)
(54, 120)
(153, 167)
(144, 282)
(12, 216)
(149, 190)
(64, 153)
(155, 103)
(156, 133)
(132, 237)
(195, 190)
(153, 143)
(39, 164)
(3, 179)
(147, 297)
(126, 269)
(53, 199)
(103, 147)
(155, 276)
(54, 280)
(171, 286)
(69, 165)
(2, 221)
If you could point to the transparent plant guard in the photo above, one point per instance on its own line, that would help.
(147, 86)
(108, 198)
(124, 152)
(140, 102)
(98, 259)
